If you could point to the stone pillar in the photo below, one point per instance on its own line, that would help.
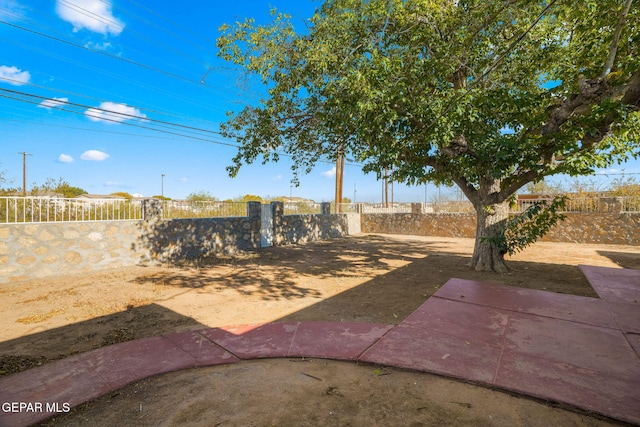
(254, 210)
(277, 212)
(254, 216)
(151, 209)
(416, 208)
(610, 204)
(325, 208)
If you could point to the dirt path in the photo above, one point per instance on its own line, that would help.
(372, 278)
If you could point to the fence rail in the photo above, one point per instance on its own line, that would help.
(573, 205)
(630, 204)
(48, 209)
(582, 204)
(300, 208)
(173, 209)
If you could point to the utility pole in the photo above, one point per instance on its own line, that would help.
(162, 185)
(24, 172)
(339, 178)
(386, 188)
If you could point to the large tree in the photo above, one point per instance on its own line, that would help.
(489, 95)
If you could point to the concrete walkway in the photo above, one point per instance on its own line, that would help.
(580, 351)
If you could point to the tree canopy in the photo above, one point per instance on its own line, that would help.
(487, 95)
(201, 196)
(51, 186)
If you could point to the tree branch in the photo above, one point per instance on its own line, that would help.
(591, 90)
(469, 190)
(613, 49)
(520, 180)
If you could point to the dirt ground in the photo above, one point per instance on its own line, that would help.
(367, 278)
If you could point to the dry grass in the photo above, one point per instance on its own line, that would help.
(37, 318)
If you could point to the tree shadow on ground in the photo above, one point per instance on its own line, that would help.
(391, 297)
(623, 259)
(280, 272)
(394, 276)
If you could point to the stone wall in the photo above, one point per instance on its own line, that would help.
(598, 228)
(430, 224)
(594, 227)
(43, 249)
(293, 229)
(188, 240)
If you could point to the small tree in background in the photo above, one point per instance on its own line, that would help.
(62, 187)
(625, 187)
(201, 196)
(122, 194)
(248, 198)
(543, 188)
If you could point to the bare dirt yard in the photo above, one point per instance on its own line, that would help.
(366, 278)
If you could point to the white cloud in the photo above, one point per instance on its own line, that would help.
(93, 15)
(98, 46)
(112, 112)
(116, 184)
(11, 10)
(53, 103)
(14, 75)
(611, 170)
(94, 155)
(330, 173)
(277, 177)
(65, 158)
(183, 179)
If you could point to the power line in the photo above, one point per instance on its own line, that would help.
(101, 70)
(119, 77)
(49, 31)
(155, 129)
(102, 52)
(90, 14)
(113, 115)
(140, 35)
(31, 122)
(187, 29)
(164, 30)
(213, 88)
(66, 92)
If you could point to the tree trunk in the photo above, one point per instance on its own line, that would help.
(487, 253)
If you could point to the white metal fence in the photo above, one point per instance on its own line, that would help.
(15, 209)
(589, 204)
(630, 204)
(390, 208)
(50, 209)
(581, 204)
(31, 209)
(301, 208)
(172, 209)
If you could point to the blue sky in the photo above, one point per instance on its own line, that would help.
(67, 61)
